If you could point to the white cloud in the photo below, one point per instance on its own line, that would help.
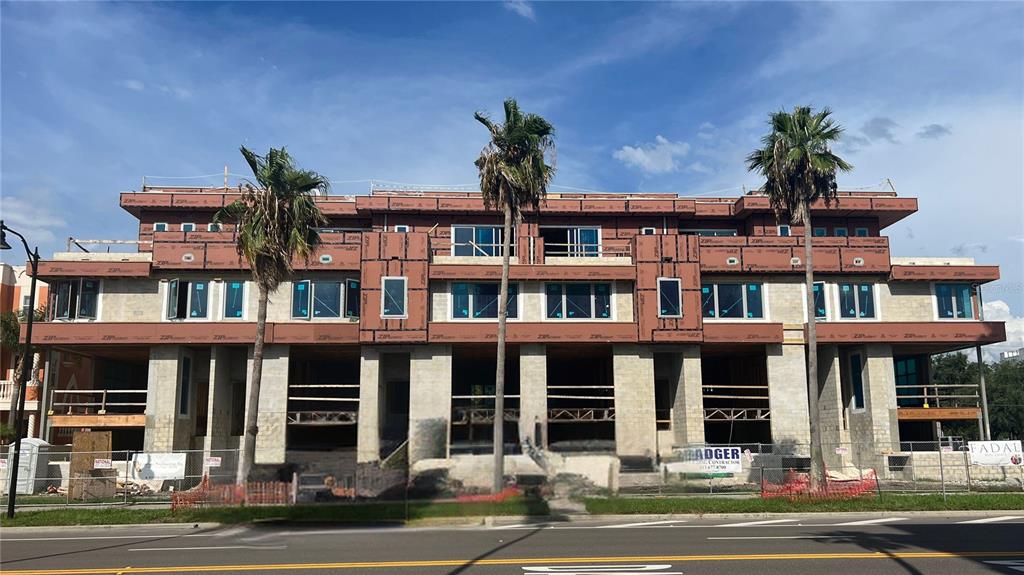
(880, 128)
(658, 157)
(999, 310)
(133, 85)
(179, 93)
(521, 7)
(35, 218)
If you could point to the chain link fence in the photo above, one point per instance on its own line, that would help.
(56, 476)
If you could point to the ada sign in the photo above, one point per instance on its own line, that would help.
(998, 453)
(102, 464)
(708, 460)
(211, 462)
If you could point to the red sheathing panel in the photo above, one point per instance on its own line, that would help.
(48, 269)
(202, 200)
(397, 336)
(315, 332)
(534, 272)
(169, 255)
(604, 206)
(972, 332)
(371, 203)
(560, 206)
(648, 248)
(685, 207)
(337, 208)
(224, 257)
(742, 332)
(874, 259)
(130, 199)
(522, 332)
(399, 203)
(765, 259)
(650, 206)
(713, 210)
(945, 273)
(715, 259)
(392, 246)
(460, 204)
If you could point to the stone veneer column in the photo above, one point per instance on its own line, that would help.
(218, 422)
(430, 401)
(162, 398)
(787, 395)
(633, 375)
(368, 424)
(273, 407)
(533, 393)
(688, 408)
(880, 398)
(830, 404)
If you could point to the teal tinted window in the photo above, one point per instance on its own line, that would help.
(326, 299)
(865, 301)
(857, 381)
(707, 300)
(553, 294)
(755, 307)
(198, 297)
(577, 301)
(730, 300)
(300, 299)
(819, 301)
(234, 299)
(668, 298)
(87, 298)
(393, 297)
(603, 300)
(352, 297)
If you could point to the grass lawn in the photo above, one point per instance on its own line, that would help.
(324, 513)
(398, 512)
(701, 505)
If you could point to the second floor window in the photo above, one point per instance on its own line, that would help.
(187, 299)
(820, 311)
(323, 299)
(729, 300)
(578, 300)
(234, 299)
(393, 298)
(477, 241)
(74, 299)
(574, 242)
(856, 301)
(480, 300)
(669, 296)
(954, 301)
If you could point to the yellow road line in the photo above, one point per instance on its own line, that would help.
(517, 561)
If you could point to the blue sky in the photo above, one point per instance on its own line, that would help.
(644, 97)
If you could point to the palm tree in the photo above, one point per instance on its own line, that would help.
(276, 220)
(799, 168)
(513, 175)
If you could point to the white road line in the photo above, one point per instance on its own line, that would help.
(753, 523)
(785, 537)
(1014, 565)
(991, 519)
(520, 526)
(211, 548)
(642, 524)
(871, 521)
(99, 537)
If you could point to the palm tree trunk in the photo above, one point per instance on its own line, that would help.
(252, 408)
(817, 456)
(19, 369)
(499, 371)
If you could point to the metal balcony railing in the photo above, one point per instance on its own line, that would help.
(97, 401)
(938, 395)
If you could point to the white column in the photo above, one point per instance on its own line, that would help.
(688, 408)
(162, 398)
(368, 426)
(273, 405)
(430, 401)
(635, 426)
(533, 393)
(787, 394)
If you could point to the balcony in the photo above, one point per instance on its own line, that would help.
(937, 401)
(7, 388)
(98, 407)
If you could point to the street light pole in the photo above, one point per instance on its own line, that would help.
(26, 370)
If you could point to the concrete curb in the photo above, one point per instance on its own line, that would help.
(168, 526)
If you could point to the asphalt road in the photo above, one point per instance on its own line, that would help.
(832, 544)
